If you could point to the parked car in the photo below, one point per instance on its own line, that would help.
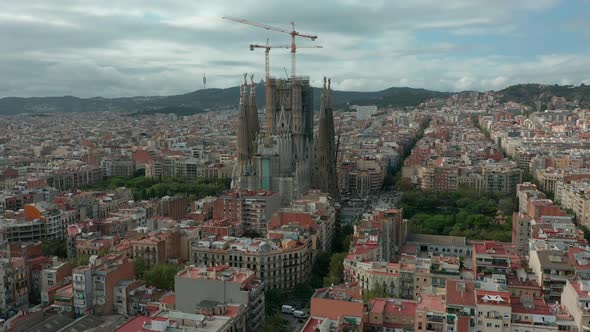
(287, 309)
(299, 314)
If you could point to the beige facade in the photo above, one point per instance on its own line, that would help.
(576, 299)
(493, 316)
(574, 196)
(283, 266)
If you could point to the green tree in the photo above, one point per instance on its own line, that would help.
(82, 260)
(275, 323)
(377, 291)
(147, 188)
(460, 213)
(55, 248)
(161, 276)
(336, 269)
(103, 252)
(140, 267)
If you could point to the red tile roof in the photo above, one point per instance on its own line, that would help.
(459, 297)
(134, 325)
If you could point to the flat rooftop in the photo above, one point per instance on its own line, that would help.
(221, 272)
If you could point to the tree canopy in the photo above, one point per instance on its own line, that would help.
(55, 248)
(147, 188)
(161, 276)
(460, 213)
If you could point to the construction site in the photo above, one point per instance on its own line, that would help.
(286, 156)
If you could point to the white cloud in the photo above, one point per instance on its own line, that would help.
(135, 47)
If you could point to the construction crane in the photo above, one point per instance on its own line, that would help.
(293, 33)
(267, 48)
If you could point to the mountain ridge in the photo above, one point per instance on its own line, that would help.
(203, 100)
(228, 98)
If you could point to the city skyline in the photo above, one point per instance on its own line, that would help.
(131, 48)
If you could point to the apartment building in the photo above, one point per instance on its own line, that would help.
(117, 166)
(93, 284)
(499, 177)
(281, 264)
(461, 305)
(440, 177)
(124, 291)
(224, 285)
(388, 313)
(340, 305)
(361, 177)
(552, 269)
(173, 166)
(6, 286)
(385, 227)
(406, 279)
(52, 276)
(207, 317)
(494, 311)
(253, 207)
(174, 207)
(576, 299)
(521, 233)
(313, 212)
(574, 196)
(430, 314)
(157, 247)
(489, 257)
(76, 177)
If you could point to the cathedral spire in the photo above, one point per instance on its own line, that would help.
(326, 177)
(243, 146)
(254, 126)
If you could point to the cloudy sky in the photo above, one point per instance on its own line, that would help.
(158, 47)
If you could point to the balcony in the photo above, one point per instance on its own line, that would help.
(434, 327)
(435, 318)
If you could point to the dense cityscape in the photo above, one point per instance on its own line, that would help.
(286, 203)
(459, 213)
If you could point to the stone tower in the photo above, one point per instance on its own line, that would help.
(248, 129)
(325, 177)
(254, 126)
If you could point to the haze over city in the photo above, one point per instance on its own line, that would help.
(142, 48)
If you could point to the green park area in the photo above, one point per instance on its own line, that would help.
(147, 188)
(460, 213)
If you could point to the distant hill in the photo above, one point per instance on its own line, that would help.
(203, 100)
(533, 94)
(217, 99)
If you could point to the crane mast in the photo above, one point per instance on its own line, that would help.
(267, 49)
(293, 33)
